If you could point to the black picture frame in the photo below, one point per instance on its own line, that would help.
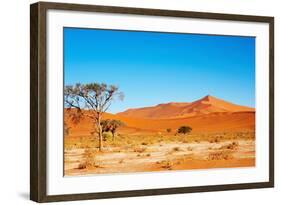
(38, 103)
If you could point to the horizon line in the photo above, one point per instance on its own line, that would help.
(170, 102)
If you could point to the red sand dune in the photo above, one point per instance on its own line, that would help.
(214, 122)
(208, 114)
(206, 105)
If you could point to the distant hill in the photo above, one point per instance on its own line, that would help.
(205, 105)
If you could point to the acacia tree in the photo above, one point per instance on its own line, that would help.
(94, 98)
(105, 125)
(115, 124)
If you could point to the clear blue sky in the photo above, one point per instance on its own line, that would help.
(153, 68)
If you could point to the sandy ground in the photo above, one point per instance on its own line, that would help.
(223, 135)
(161, 157)
(214, 122)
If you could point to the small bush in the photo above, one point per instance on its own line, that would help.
(89, 159)
(107, 136)
(82, 165)
(139, 149)
(86, 164)
(219, 156)
(176, 149)
(184, 130)
(231, 146)
(167, 164)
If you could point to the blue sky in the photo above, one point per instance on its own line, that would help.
(152, 67)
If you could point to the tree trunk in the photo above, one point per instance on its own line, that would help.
(100, 133)
(113, 136)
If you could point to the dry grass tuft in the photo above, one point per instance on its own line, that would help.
(216, 140)
(82, 165)
(231, 146)
(221, 155)
(167, 164)
(176, 149)
(139, 149)
(89, 159)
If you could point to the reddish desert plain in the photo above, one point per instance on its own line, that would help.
(222, 136)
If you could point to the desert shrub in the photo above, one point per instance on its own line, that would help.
(176, 149)
(231, 146)
(184, 130)
(167, 164)
(219, 156)
(86, 164)
(88, 159)
(139, 149)
(82, 165)
(107, 136)
(215, 140)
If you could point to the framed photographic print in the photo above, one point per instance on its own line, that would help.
(134, 102)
